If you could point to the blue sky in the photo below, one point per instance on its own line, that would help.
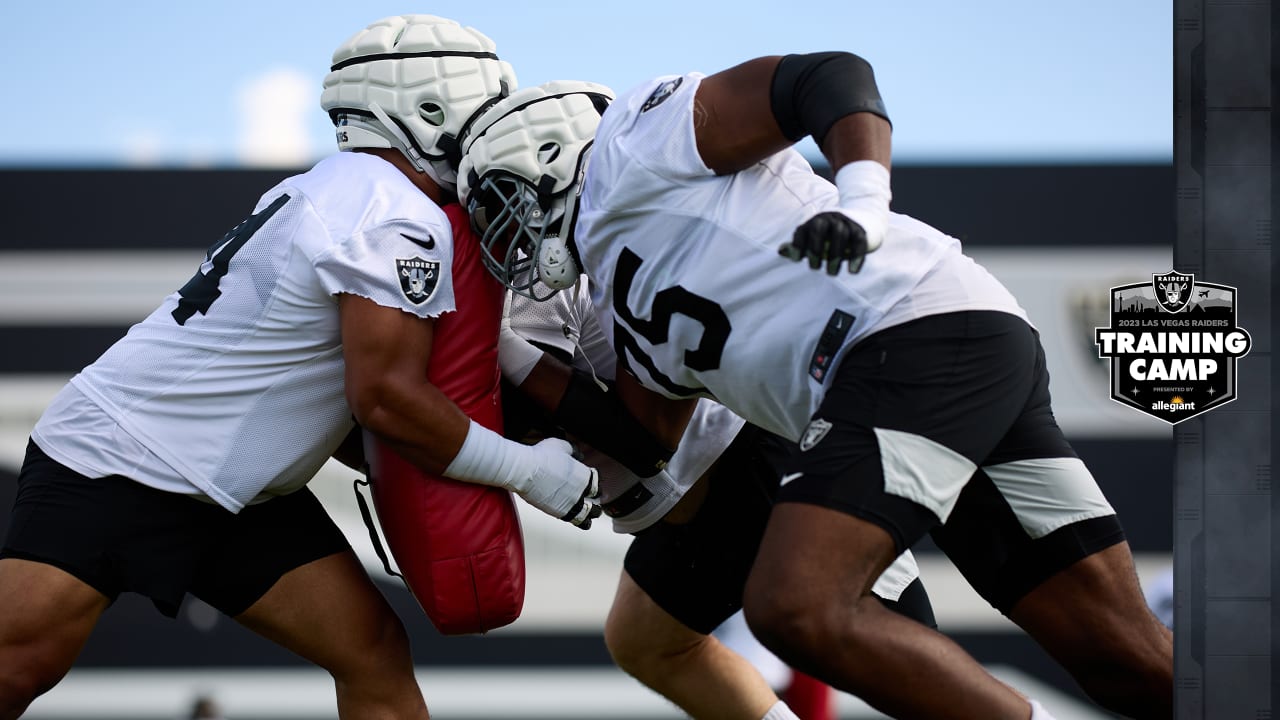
(196, 83)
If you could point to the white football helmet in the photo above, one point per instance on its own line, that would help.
(521, 174)
(413, 82)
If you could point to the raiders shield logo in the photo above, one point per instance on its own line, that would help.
(1173, 290)
(814, 433)
(659, 96)
(418, 278)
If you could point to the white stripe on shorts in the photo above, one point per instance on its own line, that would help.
(895, 578)
(1049, 493)
(923, 471)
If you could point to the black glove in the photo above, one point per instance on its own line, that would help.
(831, 237)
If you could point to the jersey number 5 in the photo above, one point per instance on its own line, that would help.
(666, 304)
(202, 289)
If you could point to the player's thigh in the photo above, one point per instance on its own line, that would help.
(695, 570)
(639, 632)
(1090, 610)
(1007, 542)
(329, 612)
(261, 544)
(286, 571)
(813, 563)
(52, 590)
(1032, 511)
(48, 615)
(110, 533)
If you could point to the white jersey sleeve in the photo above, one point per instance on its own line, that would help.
(398, 264)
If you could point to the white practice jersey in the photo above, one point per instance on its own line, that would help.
(567, 323)
(233, 387)
(689, 283)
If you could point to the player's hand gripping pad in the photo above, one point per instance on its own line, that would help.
(458, 545)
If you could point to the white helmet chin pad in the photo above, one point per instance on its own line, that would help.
(521, 175)
(414, 82)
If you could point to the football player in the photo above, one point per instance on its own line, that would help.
(177, 462)
(697, 514)
(914, 385)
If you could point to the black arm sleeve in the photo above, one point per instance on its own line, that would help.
(811, 92)
(599, 419)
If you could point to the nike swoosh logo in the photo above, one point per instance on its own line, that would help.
(789, 477)
(428, 244)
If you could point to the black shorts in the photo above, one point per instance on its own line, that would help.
(118, 536)
(944, 425)
(697, 571)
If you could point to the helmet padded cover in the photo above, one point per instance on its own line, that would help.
(534, 133)
(430, 97)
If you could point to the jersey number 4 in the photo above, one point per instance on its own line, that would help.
(202, 289)
(666, 304)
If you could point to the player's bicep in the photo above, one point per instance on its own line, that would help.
(382, 347)
(733, 122)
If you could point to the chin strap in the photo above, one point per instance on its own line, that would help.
(576, 333)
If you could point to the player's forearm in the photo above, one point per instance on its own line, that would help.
(663, 418)
(420, 423)
(547, 382)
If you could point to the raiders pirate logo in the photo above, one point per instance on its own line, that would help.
(660, 95)
(1173, 290)
(813, 434)
(418, 278)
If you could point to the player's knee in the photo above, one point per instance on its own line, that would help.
(1127, 672)
(623, 641)
(791, 624)
(25, 674)
(391, 639)
(799, 626)
(380, 651)
(647, 656)
(1124, 638)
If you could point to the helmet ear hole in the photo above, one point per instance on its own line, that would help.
(431, 113)
(548, 153)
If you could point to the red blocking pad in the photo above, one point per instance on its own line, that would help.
(459, 545)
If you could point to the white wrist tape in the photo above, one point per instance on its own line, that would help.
(864, 196)
(488, 458)
(516, 355)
